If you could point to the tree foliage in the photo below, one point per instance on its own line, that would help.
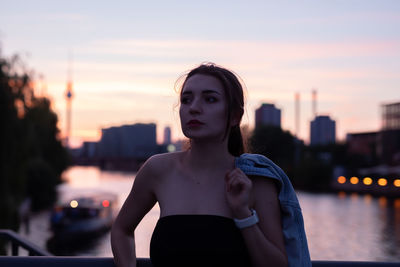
(308, 167)
(274, 143)
(32, 157)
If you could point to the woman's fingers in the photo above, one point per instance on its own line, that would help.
(238, 187)
(236, 180)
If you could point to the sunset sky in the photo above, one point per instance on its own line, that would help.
(127, 56)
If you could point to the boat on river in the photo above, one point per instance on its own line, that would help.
(83, 215)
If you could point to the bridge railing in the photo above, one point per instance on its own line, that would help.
(39, 257)
(18, 241)
(53, 261)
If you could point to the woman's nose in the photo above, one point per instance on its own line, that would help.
(195, 106)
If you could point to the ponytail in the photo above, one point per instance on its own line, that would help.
(235, 141)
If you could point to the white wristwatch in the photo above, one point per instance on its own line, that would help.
(246, 222)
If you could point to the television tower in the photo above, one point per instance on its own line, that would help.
(68, 97)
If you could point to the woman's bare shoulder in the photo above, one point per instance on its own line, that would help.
(159, 163)
(265, 184)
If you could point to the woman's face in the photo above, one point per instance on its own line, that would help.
(203, 108)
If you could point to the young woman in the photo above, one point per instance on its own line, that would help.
(218, 206)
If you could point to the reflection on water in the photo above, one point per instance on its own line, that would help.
(391, 229)
(352, 226)
(82, 179)
(339, 226)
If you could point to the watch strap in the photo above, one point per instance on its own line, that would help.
(247, 222)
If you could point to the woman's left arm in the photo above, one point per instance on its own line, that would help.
(264, 240)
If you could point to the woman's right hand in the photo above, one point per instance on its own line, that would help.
(238, 188)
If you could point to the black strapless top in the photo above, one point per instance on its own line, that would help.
(197, 240)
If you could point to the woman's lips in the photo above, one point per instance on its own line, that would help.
(194, 123)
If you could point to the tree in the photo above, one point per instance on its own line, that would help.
(308, 167)
(32, 157)
(276, 144)
(48, 158)
(13, 90)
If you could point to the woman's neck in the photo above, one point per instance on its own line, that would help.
(209, 155)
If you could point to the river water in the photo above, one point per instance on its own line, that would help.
(339, 226)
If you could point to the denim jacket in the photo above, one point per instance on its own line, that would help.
(292, 219)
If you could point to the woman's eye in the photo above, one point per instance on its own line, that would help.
(211, 99)
(185, 100)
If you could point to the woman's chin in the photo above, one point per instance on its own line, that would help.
(204, 138)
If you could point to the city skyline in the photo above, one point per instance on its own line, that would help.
(127, 58)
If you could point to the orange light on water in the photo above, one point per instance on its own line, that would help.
(58, 209)
(367, 198)
(354, 180)
(341, 179)
(397, 203)
(354, 196)
(396, 183)
(382, 201)
(367, 181)
(106, 203)
(382, 181)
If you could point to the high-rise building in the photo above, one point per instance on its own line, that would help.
(128, 141)
(268, 114)
(363, 145)
(391, 116)
(167, 135)
(323, 131)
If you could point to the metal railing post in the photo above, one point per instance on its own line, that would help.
(18, 241)
(14, 248)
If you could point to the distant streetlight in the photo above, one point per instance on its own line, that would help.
(382, 181)
(354, 180)
(341, 179)
(367, 181)
(171, 148)
(73, 203)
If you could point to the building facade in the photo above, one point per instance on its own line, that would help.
(136, 141)
(388, 147)
(391, 116)
(389, 137)
(364, 145)
(322, 131)
(268, 114)
(167, 135)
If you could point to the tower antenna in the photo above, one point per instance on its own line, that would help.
(68, 97)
